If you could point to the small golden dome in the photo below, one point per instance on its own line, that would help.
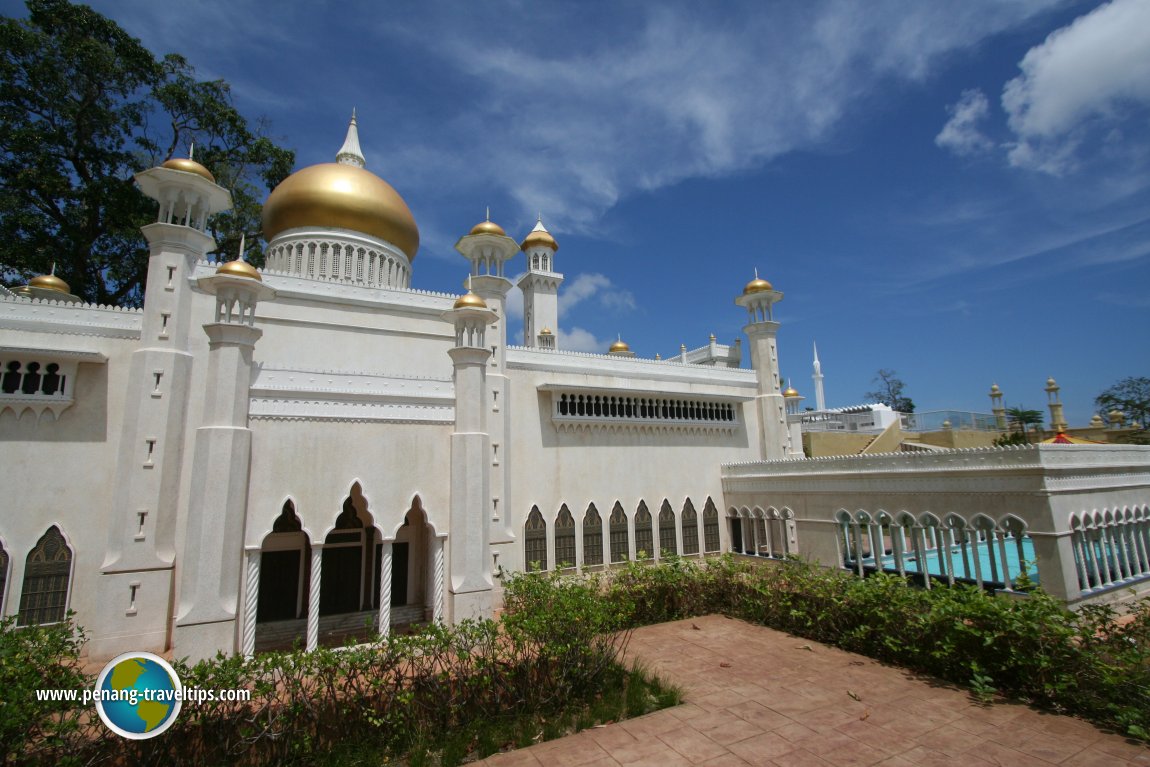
(469, 301)
(546, 332)
(189, 166)
(620, 346)
(487, 227)
(341, 196)
(757, 285)
(539, 236)
(49, 282)
(994, 389)
(791, 391)
(239, 268)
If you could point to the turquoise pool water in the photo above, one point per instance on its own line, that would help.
(964, 567)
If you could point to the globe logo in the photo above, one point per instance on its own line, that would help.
(138, 695)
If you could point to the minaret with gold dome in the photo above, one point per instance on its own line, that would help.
(471, 584)
(758, 298)
(540, 286)
(339, 222)
(137, 573)
(208, 606)
(488, 249)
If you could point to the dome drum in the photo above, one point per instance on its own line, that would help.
(339, 256)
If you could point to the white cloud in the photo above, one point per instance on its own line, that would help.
(961, 133)
(577, 339)
(1093, 70)
(598, 287)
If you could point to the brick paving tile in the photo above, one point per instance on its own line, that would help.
(789, 702)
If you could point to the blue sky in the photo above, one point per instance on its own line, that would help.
(957, 191)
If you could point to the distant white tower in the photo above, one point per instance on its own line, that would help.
(817, 377)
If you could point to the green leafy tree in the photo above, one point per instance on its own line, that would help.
(83, 106)
(1022, 419)
(1131, 396)
(889, 391)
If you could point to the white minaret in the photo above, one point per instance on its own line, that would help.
(487, 247)
(540, 288)
(471, 582)
(759, 298)
(136, 576)
(210, 572)
(817, 377)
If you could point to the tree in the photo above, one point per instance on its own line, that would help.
(1131, 396)
(83, 106)
(889, 391)
(1022, 419)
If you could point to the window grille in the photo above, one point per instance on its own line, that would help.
(592, 537)
(535, 541)
(44, 597)
(667, 542)
(690, 521)
(564, 538)
(644, 539)
(710, 527)
(618, 522)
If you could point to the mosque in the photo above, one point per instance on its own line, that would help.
(262, 458)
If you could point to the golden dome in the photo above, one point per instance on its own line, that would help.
(341, 196)
(791, 391)
(239, 268)
(620, 346)
(49, 282)
(189, 166)
(546, 332)
(469, 301)
(487, 227)
(994, 389)
(757, 285)
(539, 236)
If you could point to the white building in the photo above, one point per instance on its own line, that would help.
(254, 457)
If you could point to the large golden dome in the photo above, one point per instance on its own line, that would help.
(341, 196)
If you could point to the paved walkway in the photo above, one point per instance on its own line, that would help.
(759, 697)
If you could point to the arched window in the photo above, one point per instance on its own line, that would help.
(564, 538)
(346, 584)
(535, 541)
(710, 527)
(284, 564)
(690, 522)
(644, 536)
(592, 537)
(667, 540)
(48, 569)
(3, 577)
(618, 523)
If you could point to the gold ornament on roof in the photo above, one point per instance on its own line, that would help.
(240, 267)
(487, 226)
(620, 345)
(50, 282)
(757, 285)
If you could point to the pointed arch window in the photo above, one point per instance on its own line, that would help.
(667, 540)
(535, 541)
(47, 575)
(619, 535)
(564, 538)
(644, 535)
(710, 527)
(285, 565)
(690, 522)
(592, 537)
(3, 577)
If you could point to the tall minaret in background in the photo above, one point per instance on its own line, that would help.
(817, 377)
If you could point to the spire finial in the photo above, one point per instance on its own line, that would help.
(192, 150)
(53, 272)
(756, 272)
(488, 212)
(243, 242)
(350, 153)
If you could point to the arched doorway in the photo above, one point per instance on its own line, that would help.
(349, 582)
(284, 583)
(413, 585)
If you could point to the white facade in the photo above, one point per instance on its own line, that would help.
(254, 460)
